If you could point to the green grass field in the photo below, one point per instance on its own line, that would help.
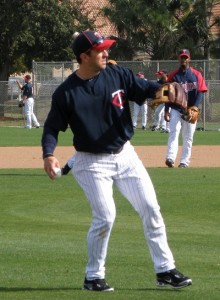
(11, 136)
(44, 223)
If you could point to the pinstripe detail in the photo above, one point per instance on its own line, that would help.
(96, 174)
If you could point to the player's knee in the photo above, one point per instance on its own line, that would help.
(109, 220)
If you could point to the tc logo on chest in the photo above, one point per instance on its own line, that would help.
(118, 98)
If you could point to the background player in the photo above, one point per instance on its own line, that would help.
(159, 121)
(142, 108)
(194, 86)
(93, 101)
(28, 101)
(68, 166)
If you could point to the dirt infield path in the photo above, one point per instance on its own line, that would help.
(152, 156)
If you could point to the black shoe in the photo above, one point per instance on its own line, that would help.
(182, 165)
(173, 278)
(65, 170)
(155, 128)
(169, 162)
(97, 285)
(164, 130)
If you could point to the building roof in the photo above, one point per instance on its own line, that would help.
(102, 24)
(215, 30)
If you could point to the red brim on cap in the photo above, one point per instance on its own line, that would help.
(105, 45)
(159, 73)
(184, 54)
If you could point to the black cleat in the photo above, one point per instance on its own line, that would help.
(155, 128)
(65, 170)
(182, 165)
(173, 278)
(98, 285)
(169, 162)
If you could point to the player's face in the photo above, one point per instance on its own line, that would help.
(98, 59)
(184, 61)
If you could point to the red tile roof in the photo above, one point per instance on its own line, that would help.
(216, 12)
(102, 24)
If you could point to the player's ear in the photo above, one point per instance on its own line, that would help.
(84, 56)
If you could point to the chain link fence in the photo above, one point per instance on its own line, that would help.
(47, 76)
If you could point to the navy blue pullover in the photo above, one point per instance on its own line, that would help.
(96, 110)
(193, 83)
(27, 90)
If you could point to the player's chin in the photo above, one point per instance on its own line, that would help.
(103, 65)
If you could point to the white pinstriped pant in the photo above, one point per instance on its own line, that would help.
(29, 111)
(159, 116)
(188, 130)
(96, 175)
(143, 109)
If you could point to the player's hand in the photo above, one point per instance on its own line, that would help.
(50, 163)
(167, 116)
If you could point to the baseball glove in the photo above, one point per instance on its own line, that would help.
(170, 93)
(191, 115)
(21, 104)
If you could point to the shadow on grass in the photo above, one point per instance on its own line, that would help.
(22, 174)
(29, 289)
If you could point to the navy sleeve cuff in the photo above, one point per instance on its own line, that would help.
(49, 141)
(47, 155)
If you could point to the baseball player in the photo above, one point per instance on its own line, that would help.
(68, 166)
(28, 101)
(143, 109)
(159, 121)
(194, 86)
(93, 101)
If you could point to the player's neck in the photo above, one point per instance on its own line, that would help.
(184, 67)
(86, 74)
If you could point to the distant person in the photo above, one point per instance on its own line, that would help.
(112, 62)
(143, 109)
(194, 86)
(159, 121)
(28, 101)
(68, 166)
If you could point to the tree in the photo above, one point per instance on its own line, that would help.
(145, 26)
(196, 20)
(156, 27)
(37, 30)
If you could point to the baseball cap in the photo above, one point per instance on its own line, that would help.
(161, 72)
(184, 52)
(140, 73)
(87, 40)
(28, 77)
